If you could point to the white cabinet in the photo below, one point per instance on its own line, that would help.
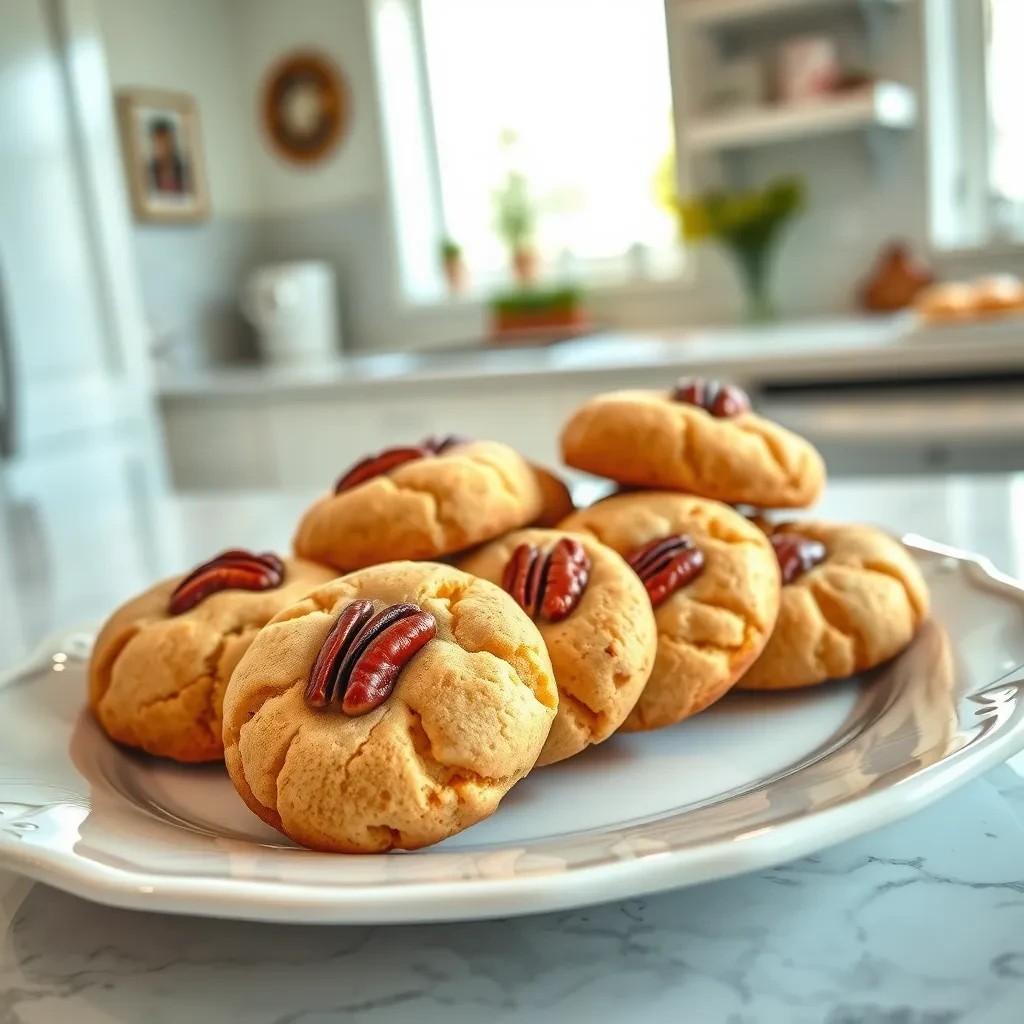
(302, 440)
(299, 441)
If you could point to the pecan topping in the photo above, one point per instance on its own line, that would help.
(549, 584)
(721, 400)
(391, 458)
(797, 554)
(666, 564)
(364, 655)
(235, 569)
(441, 444)
(379, 464)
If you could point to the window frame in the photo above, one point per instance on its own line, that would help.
(436, 297)
(963, 207)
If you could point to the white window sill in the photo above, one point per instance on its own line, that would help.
(475, 299)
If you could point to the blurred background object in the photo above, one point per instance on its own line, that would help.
(895, 280)
(294, 310)
(341, 211)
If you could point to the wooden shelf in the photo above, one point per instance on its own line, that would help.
(884, 104)
(711, 13)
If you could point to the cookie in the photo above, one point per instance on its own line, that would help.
(389, 709)
(700, 438)
(602, 646)
(556, 501)
(713, 580)
(852, 598)
(160, 664)
(419, 502)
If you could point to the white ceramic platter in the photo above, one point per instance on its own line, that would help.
(757, 780)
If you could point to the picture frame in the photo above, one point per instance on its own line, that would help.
(162, 148)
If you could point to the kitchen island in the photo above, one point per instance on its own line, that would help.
(921, 922)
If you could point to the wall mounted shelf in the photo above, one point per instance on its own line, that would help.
(883, 104)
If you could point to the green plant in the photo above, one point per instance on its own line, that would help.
(515, 215)
(450, 250)
(748, 223)
(752, 217)
(537, 300)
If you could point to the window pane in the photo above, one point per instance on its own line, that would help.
(1005, 88)
(575, 96)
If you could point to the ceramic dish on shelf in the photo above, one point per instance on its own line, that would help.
(756, 780)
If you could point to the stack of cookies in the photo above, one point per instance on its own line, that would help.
(449, 621)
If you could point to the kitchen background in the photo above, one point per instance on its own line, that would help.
(488, 210)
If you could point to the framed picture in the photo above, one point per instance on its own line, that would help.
(163, 155)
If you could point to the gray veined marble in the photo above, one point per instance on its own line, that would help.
(921, 922)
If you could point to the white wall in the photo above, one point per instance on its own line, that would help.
(267, 30)
(190, 46)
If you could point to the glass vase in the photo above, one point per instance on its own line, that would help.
(754, 265)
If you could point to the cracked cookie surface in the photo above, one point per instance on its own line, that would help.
(156, 681)
(423, 509)
(466, 720)
(602, 652)
(711, 629)
(856, 609)
(647, 439)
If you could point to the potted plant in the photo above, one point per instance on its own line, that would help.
(515, 222)
(540, 313)
(749, 225)
(454, 266)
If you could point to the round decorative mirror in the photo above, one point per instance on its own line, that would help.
(306, 106)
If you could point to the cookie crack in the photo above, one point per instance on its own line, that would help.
(704, 646)
(439, 521)
(171, 697)
(836, 617)
(450, 775)
(738, 611)
(279, 770)
(361, 746)
(776, 452)
(593, 721)
(498, 471)
(884, 569)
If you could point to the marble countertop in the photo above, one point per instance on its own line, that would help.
(813, 349)
(921, 922)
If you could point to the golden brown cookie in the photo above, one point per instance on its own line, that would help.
(852, 597)
(556, 501)
(160, 664)
(699, 437)
(425, 752)
(714, 582)
(602, 647)
(423, 501)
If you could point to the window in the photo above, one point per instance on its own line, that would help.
(565, 104)
(976, 79)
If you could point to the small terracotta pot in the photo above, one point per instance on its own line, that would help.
(525, 264)
(456, 275)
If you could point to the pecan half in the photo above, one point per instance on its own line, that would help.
(440, 444)
(548, 584)
(235, 569)
(666, 564)
(721, 400)
(797, 554)
(364, 654)
(379, 464)
(391, 458)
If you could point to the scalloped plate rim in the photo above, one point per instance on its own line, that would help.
(469, 899)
